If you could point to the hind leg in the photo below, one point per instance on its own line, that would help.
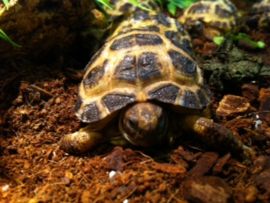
(213, 134)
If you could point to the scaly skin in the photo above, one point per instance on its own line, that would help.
(213, 134)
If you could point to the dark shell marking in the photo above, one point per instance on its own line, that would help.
(199, 8)
(144, 68)
(148, 66)
(115, 101)
(90, 113)
(136, 39)
(125, 70)
(94, 76)
(187, 67)
(167, 93)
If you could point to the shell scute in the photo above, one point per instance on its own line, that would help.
(204, 100)
(136, 39)
(163, 19)
(94, 76)
(90, 113)
(187, 67)
(189, 99)
(141, 16)
(125, 7)
(125, 70)
(166, 93)
(148, 66)
(175, 38)
(114, 101)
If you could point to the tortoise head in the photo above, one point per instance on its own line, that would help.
(197, 28)
(144, 124)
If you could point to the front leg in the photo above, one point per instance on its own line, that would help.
(81, 141)
(213, 134)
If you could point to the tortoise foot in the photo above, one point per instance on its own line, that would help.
(81, 141)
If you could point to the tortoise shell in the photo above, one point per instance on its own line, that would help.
(125, 7)
(260, 7)
(220, 14)
(260, 12)
(148, 58)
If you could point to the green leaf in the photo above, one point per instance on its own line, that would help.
(105, 3)
(134, 2)
(243, 36)
(5, 37)
(172, 8)
(181, 3)
(6, 4)
(260, 44)
(218, 40)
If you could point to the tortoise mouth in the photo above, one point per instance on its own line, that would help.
(144, 124)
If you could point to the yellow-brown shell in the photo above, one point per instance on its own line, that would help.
(125, 7)
(260, 12)
(148, 58)
(219, 14)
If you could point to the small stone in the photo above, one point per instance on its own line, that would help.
(232, 105)
(116, 161)
(221, 162)
(204, 164)
(251, 194)
(57, 100)
(261, 175)
(264, 98)
(169, 168)
(250, 92)
(207, 189)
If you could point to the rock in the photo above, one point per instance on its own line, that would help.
(115, 160)
(250, 91)
(261, 174)
(232, 105)
(206, 189)
(169, 168)
(221, 162)
(204, 164)
(264, 98)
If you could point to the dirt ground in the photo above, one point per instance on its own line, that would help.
(37, 102)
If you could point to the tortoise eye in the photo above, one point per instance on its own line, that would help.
(132, 123)
(199, 26)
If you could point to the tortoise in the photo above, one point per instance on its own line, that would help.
(259, 15)
(212, 18)
(143, 85)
